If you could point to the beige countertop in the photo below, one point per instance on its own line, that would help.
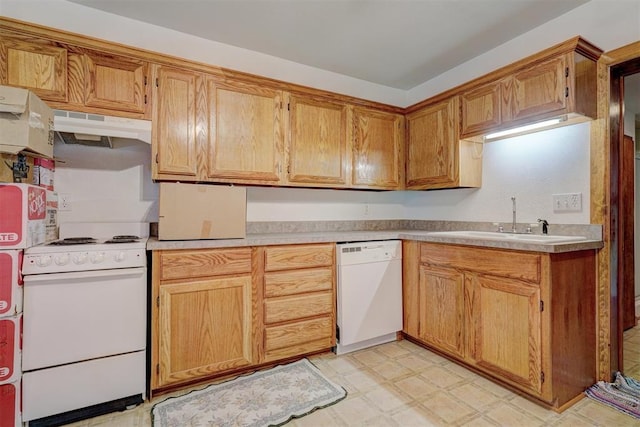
(267, 239)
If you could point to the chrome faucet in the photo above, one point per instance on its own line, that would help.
(513, 202)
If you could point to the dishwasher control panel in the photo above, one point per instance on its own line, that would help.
(371, 251)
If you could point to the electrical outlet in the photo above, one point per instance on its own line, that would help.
(64, 202)
(569, 202)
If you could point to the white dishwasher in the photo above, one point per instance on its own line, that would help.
(369, 294)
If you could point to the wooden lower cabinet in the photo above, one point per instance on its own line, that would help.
(204, 328)
(220, 311)
(525, 319)
(506, 311)
(203, 316)
(299, 300)
(441, 306)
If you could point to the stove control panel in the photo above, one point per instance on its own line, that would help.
(62, 262)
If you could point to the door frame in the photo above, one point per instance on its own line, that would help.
(619, 221)
(606, 137)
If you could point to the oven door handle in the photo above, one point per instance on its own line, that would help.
(36, 278)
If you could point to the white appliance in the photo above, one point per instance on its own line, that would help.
(84, 323)
(98, 130)
(369, 294)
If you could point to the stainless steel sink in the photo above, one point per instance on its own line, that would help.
(508, 237)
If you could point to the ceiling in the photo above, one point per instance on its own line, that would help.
(394, 43)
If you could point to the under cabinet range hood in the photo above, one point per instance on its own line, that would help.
(99, 131)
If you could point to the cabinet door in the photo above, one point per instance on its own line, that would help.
(441, 308)
(204, 328)
(40, 67)
(505, 330)
(378, 147)
(317, 141)
(174, 125)
(480, 109)
(535, 91)
(116, 83)
(433, 148)
(245, 139)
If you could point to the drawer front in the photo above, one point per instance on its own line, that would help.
(204, 262)
(298, 282)
(297, 307)
(299, 349)
(517, 265)
(298, 333)
(298, 256)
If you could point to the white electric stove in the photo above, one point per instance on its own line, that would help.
(84, 323)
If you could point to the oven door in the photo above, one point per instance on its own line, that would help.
(70, 317)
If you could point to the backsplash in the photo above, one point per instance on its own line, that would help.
(591, 231)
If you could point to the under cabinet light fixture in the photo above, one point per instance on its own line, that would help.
(524, 129)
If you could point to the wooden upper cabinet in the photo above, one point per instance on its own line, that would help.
(480, 109)
(432, 147)
(317, 151)
(560, 81)
(116, 83)
(378, 149)
(436, 157)
(175, 144)
(38, 66)
(541, 89)
(244, 132)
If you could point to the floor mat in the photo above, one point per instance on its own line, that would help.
(265, 398)
(623, 394)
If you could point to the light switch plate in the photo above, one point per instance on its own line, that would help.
(568, 202)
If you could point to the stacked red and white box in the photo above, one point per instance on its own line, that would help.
(10, 283)
(10, 349)
(23, 210)
(10, 405)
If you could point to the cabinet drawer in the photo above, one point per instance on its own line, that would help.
(517, 265)
(205, 262)
(297, 307)
(298, 282)
(299, 349)
(299, 333)
(299, 256)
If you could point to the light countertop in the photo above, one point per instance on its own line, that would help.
(291, 238)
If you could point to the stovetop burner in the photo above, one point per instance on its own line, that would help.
(74, 241)
(123, 239)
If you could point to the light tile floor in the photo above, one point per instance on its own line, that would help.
(402, 384)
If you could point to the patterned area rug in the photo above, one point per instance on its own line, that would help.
(265, 398)
(623, 394)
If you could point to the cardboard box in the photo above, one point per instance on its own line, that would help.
(43, 170)
(7, 161)
(23, 209)
(51, 218)
(26, 122)
(10, 349)
(10, 399)
(200, 211)
(10, 283)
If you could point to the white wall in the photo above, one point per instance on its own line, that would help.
(105, 184)
(281, 204)
(531, 168)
